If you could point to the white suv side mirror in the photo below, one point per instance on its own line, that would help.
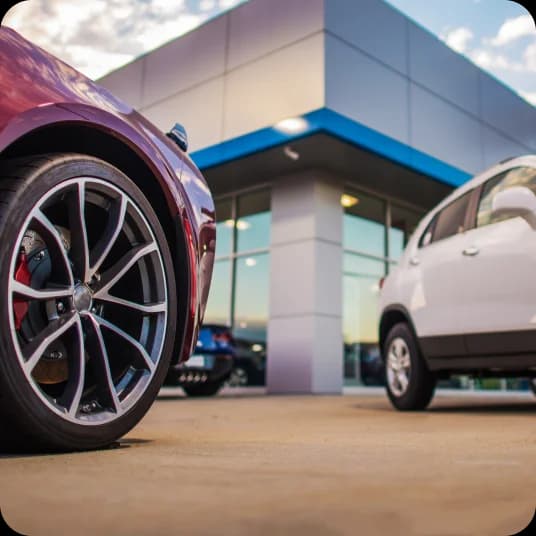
(515, 201)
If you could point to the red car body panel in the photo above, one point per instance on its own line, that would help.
(39, 91)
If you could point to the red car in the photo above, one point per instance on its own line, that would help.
(107, 239)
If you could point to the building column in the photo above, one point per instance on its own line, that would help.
(305, 346)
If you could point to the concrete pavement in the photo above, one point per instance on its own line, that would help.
(252, 464)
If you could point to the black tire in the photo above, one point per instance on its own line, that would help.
(421, 382)
(27, 421)
(239, 377)
(203, 389)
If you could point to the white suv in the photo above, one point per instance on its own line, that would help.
(463, 298)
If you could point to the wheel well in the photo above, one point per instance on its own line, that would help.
(389, 319)
(93, 142)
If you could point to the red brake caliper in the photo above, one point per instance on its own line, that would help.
(22, 275)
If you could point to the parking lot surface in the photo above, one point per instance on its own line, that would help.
(245, 463)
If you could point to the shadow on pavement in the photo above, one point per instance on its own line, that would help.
(124, 443)
(491, 408)
(176, 393)
(457, 406)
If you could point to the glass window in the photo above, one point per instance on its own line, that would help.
(219, 299)
(403, 223)
(224, 227)
(360, 318)
(520, 176)
(251, 297)
(253, 223)
(364, 225)
(426, 237)
(451, 220)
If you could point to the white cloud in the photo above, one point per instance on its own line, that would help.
(529, 96)
(530, 57)
(513, 29)
(491, 60)
(228, 4)
(98, 36)
(458, 39)
(207, 5)
(93, 62)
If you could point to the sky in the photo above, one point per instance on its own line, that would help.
(97, 36)
(498, 35)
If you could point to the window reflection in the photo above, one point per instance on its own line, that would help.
(253, 222)
(219, 298)
(403, 223)
(251, 297)
(242, 300)
(370, 246)
(360, 323)
(364, 225)
(224, 227)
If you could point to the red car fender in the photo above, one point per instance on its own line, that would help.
(51, 115)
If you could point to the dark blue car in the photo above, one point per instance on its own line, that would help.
(210, 365)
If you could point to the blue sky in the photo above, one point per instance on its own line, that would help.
(497, 35)
(97, 36)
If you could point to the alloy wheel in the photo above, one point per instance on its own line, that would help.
(87, 291)
(398, 366)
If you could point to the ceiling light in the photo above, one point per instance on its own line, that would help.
(242, 225)
(292, 125)
(229, 223)
(348, 201)
(250, 261)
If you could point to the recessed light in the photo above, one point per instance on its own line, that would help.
(292, 125)
(348, 201)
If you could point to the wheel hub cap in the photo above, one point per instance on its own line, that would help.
(398, 366)
(82, 298)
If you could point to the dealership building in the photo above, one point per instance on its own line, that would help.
(326, 129)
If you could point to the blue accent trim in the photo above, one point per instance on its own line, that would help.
(330, 122)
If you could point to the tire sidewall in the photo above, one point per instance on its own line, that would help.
(16, 391)
(421, 383)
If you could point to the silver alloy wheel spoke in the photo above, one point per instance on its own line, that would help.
(100, 354)
(34, 350)
(122, 266)
(404, 361)
(58, 252)
(116, 219)
(79, 249)
(123, 334)
(40, 294)
(398, 366)
(74, 404)
(146, 308)
(402, 380)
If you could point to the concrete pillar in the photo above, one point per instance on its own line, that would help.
(305, 347)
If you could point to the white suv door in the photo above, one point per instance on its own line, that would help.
(435, 267)
(498, 289)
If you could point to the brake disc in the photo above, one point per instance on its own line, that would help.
(53, 368)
